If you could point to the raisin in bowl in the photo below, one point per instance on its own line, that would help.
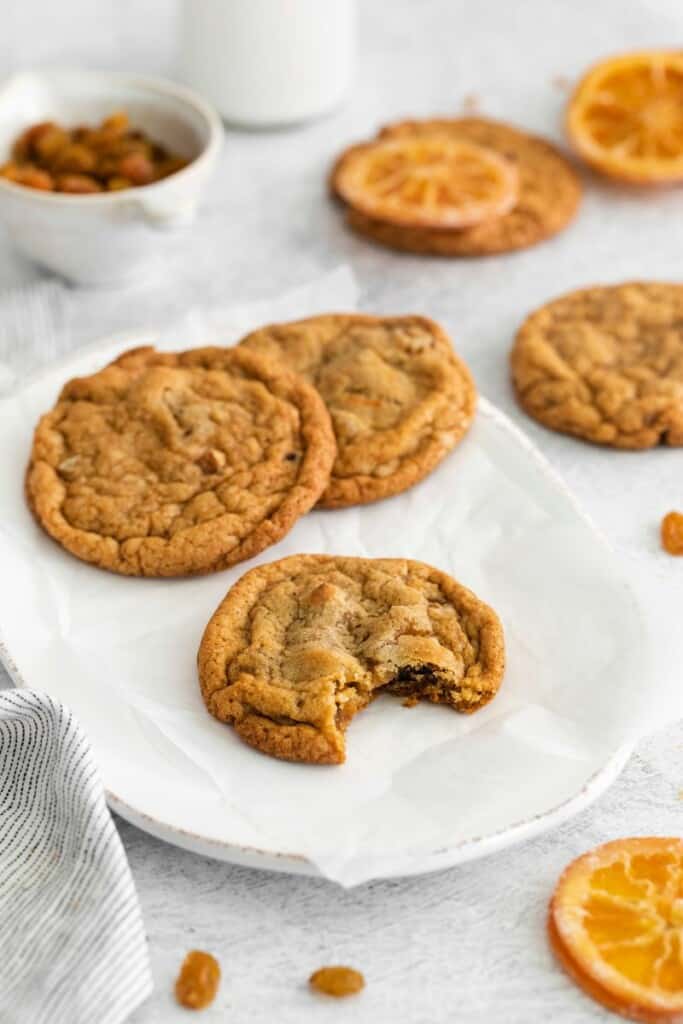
(114, 231)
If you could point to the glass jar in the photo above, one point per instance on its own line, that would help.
(265, 63)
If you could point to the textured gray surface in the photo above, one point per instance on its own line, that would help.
(465, 945)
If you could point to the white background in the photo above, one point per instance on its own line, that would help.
(465, 945)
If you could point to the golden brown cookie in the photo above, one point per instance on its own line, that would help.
(298, 646)
(606, 364)
(399, 397)
(173, 464)
(549, 193)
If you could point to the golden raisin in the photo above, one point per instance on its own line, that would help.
(23, 146)
(75, 157)
(137, 167)
(337, 981)
(33, 177)
(170, 165)
(10, 170)
(672, 533)
(107, 166)
(28, 175)
(116, 124)
(86, 159)
(78, 184)
(116, 183)
(81, 133)
(198, 981)
(50, 142)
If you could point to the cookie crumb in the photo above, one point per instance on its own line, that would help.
(672, 533)
(471, 103)
(198, 980)
(337, 981)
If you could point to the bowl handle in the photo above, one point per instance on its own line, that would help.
(167, 219)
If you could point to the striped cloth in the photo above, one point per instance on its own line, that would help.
(72, 942)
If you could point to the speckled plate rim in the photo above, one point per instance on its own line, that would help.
(293, 863)
(437, 860)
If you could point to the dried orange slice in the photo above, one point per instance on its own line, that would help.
(626, 117)
(427, 181)
(616, 925)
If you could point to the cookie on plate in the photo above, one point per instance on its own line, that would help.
(299, 646)
(606, 364)
(175, 464)
(399, 397)
(549, 192)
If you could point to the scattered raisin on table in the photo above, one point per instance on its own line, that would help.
(337, 981)
(198, 981)
(672, 533)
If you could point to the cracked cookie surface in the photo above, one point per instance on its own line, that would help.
(299, 646)
(606, 364)
(171, 464)
(549, 193)
(399, 397)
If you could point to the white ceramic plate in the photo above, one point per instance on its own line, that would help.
(421, 790)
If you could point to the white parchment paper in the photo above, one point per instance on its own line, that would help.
(581, 679)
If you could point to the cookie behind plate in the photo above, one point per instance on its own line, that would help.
(399, 397)
(174, 464)
(549, 193)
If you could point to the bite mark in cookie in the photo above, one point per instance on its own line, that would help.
(399, 397)
(173, 464)
(606, 364)
(299, 646)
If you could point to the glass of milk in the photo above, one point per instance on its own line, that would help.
(265, 63)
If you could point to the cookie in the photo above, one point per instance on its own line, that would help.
(549, 193)
(176, 464)
(606, 364)
(299, 646)
(399, 397)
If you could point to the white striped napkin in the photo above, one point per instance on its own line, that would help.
(72, 942)
(33, 323)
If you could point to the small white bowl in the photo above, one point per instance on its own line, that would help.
(108, 238)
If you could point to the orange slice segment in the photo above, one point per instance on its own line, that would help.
(616, 925)
(427, 181)
(626, 117)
